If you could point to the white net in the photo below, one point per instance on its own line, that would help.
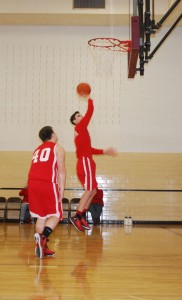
(103, 51)
(104, 60)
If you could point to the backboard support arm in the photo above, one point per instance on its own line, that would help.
(148, 27)
(170, 10)
(164, 38)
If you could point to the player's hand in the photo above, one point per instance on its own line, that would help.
(110, 151)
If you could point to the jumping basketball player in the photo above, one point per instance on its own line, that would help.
(46, 183)
(86, 167)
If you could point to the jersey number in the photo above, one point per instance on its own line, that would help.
(41, 156)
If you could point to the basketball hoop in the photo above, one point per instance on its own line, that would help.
(110, 44)
(103, 50)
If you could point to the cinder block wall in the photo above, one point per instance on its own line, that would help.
(127, 171)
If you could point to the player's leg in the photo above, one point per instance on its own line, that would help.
(86, 174)
(44, 229)
(90, 184)
(86, 204)
(78, 220)
(51, 221)
(39, 239)
(86, 199)
(46, 224)
(50, 225)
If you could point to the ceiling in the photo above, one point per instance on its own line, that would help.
(61, 13)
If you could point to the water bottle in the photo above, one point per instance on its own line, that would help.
(130, 222)
(126, 221)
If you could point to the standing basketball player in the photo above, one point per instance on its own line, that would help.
(46, 183)
(86, 167)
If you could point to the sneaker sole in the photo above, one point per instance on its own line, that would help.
(87, 228)
(37, 251)
(49, 255)
(75, 225)
(37, 239)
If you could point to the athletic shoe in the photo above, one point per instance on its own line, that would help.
(48, 252)
(84, 223)
(77, 223)
(41, 242)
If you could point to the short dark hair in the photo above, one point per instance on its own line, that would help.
(72, 118)
(45, 133)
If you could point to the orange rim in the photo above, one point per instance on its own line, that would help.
(112, 44)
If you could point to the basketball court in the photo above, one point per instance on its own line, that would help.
(111, 261)
(107, 262)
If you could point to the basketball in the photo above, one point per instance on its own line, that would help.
(83, 89)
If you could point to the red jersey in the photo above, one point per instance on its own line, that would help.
(98, 198)
(82, 137)
(24, 193)
(44, 163)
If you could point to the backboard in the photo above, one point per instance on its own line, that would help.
(135, 47)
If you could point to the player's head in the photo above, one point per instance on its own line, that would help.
(46, 133)
(76, 118)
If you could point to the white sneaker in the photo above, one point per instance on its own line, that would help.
(40, 243)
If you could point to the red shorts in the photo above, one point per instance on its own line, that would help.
(86, 172)
(44, 199)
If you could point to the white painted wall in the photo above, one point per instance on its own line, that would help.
(41, 66)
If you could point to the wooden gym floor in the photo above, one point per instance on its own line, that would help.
(109, 262)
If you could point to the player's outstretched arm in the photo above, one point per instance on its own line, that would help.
(89, 113)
